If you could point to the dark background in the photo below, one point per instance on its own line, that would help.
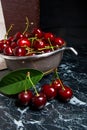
(65, 18)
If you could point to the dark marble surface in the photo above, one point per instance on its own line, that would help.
(56, 115)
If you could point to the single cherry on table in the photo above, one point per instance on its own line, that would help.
(39, 101)
(49, 91)
(25, 97)
(65, 94)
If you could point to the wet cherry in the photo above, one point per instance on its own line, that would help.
(56, 84)
(49, 36)
(23, 42)
(39, 44)
(65, 94)
(27, 35)
(19, 51)
(39, 101)
(8, 51)
(49, 91)
(58, 42)
(17, 36)
(13, 45)
(25, 97)
(10, 39)
(37, 32)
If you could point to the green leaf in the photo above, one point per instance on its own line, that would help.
(16, 81)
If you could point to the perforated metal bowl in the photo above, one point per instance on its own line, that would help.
(45, 62)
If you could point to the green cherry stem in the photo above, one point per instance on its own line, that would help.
(26, 80)
(28, 76)
(32, 39)
(27, 25)
(50, 44)
(56, 74)
(10, 28)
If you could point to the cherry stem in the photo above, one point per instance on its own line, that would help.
(56, 74)
(28, 76)
(27, 25)
(25, 84)
(51, 44)
(32, 40)
(10, 28)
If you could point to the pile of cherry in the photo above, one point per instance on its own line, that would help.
(37, 100)
(26, 44)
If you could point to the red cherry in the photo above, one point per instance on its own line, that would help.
(17, 36)
(19, 51)
(7, 42)
(13, 45)
(65, 94)
(58, 42)
(39, 101)
(38, 44)
(23, 42)
(2, 45)
(25, 97)
(56, 84)
(49, 36)
(47, 50)
(10, 39)
(49, 91)
(37, 32)
(27, 35)
(8, 51)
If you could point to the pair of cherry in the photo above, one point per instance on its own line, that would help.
(55, 90)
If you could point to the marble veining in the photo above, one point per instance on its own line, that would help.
(55, 115)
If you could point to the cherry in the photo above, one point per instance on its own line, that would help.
(49, 91)
(13, 45)
(65, 94)
(56, 84)
(39, 101)
(25, 97)
(37, 32)
(10, 39)
(17, 36)
(2, 45)
(58, 42)
(47, 50)
(27, 35)
(49, 36)
(23, 42)
(38, 44)
(19, 51)
(8, 51)
(7, 41)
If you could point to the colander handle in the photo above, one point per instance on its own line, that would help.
(70, 48)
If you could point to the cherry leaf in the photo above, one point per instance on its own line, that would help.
(15, 81)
